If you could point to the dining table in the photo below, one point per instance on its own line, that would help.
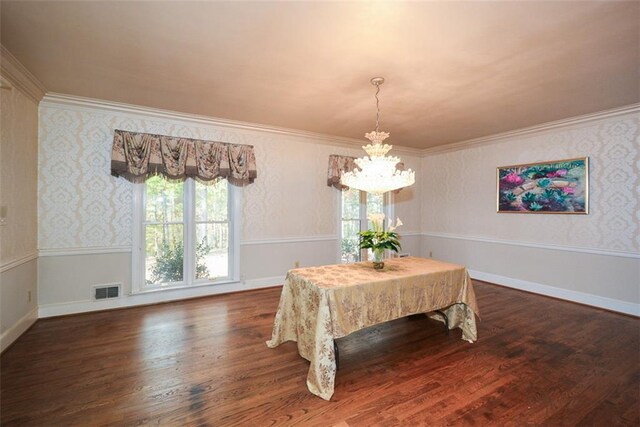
(321, 304)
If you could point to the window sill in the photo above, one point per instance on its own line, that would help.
(157, 289)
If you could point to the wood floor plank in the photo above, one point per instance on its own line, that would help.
(204, 362)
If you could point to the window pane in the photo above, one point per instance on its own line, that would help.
(164, 200)
(211, 201)
(212, 250)
(375, 204)
(350, 244)
(351, 204)
(164, 253)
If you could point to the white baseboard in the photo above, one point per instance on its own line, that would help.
(50, 310)
(60, 309)
(565, 294)
(19, 328)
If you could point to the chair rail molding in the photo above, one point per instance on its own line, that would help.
(91, 250)
(296, 239)
(595, 251)
(18, 261)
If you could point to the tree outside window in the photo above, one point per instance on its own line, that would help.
(356, 205)
(186, 229)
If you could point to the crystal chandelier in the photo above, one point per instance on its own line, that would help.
(376, 172)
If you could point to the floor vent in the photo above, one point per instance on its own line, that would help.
(106, 291)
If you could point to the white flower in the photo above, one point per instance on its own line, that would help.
(377, 220)
(398, 224)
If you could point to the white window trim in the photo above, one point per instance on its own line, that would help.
(138, 285)
(389, 213)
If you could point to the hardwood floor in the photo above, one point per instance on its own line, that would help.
(203, 362)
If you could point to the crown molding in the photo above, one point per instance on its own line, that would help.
(485, 140)
(18, 76)
(83, 103)
(80, 103)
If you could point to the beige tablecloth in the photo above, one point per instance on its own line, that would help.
(320, 304)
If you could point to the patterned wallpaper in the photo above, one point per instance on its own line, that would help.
(19, 151)
(81, 205)
(459, 188)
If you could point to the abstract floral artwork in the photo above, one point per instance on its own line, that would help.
(546, 187)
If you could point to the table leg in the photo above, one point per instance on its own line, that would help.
(337, 354)
(444, 316)
(446, 320)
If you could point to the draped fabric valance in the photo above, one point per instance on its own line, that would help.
(138, 156)
(337, 165)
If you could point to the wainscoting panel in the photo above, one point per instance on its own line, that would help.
(18, 310)
(605, 281)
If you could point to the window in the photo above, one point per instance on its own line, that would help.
(355, 206)
(186, 234)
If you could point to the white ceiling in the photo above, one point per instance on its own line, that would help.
(454, 70)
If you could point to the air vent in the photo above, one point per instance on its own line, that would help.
(403, 255)
(109, 291)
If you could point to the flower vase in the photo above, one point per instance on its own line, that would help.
(378, 259)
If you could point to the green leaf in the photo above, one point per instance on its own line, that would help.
(379, 240)
(544, 182)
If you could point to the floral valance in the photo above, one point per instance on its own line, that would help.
(337, 165)
(138, 156)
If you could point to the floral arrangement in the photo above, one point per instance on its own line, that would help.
(378, 239)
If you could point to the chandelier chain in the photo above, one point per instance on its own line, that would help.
(377, 106)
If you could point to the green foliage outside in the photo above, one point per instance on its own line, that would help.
(351, 210)
(169, 263)
(350, 249)
(164, 218)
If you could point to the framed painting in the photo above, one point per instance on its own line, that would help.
(560, 187)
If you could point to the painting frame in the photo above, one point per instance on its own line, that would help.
(548, 187)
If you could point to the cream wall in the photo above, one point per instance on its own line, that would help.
(83, 225)
(594, 259)
(19, 99)
(289, 214)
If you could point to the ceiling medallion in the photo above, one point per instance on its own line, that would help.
(377, 172)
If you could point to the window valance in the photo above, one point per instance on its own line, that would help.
(337, 165)
(138, 156)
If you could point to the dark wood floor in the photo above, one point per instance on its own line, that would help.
(203, 362)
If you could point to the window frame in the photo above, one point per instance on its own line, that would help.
(138, 280)
(388, 210)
